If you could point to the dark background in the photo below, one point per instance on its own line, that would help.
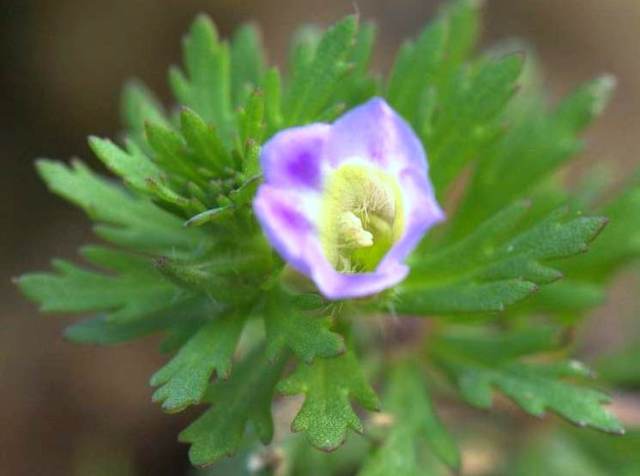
(63, 407)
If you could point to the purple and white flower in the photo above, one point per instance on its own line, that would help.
(345, 203)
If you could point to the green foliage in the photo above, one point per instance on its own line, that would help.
(205, 85)
(496, 265)
(135, 291)
(308, 336)
(244, 397)
(184, 255)
(185, 378)
(319, 73)
(478, 363)
(414, 422)
(329, 385)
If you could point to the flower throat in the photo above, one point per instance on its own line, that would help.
(361, 217)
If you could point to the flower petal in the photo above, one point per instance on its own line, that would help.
(283, 219)
(423, 213)
(293, 157)
(335, 285)
(374, 132)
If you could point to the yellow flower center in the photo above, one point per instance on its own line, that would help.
(362, 217)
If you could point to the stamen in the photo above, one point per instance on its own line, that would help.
(352, 233)
(362, 217)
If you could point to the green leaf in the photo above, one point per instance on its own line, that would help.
(244, 397)
(136, 169)
(329, 385)
(535, 387)
(206, 85)
(272, 101)
(308, 336)
(542, 141)
(251, 123)
(170, 151)
(136, 291)
(568, 298)
(139, 105)
(122, 218)
(414, 422)
(314, 83)
(359, 85)
(470, 115)
(463, 24)
(415, 69)
(247, 62)
(619, 244)
(497, 265)
(178, 320)
(184, 380)
(204, 142)
(583, 105)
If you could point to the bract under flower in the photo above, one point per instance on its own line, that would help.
(345, 203)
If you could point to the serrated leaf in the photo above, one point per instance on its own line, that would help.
(329, 385)
(244, 397)
(314, 83)
(136, 169)
(414, 422)
(247, 61)
(587, 102)
(139, 105)
(136, 291)
(272, 88)
(542, 140)
(308, 336)
(469, 119)
(463, 24)
(359, 85)
(415, 69)
(252, 128)
(204, 142)
(206, 85)
(121, 217)
(497, 265)
(566, 298)
(184, 380)
(170, 151)
(619, 244)
(184, 318)
(535, 387)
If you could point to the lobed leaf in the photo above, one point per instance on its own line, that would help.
(308, 336)
(139, 105)
(122, 218)
(316, 79)
(247, 62)
(205, 86)
(184, 380)
(535, 387)
(329, 385)
(244, 397)
(137, 290)
(497, 265)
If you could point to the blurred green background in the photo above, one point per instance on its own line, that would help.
(70, 410)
